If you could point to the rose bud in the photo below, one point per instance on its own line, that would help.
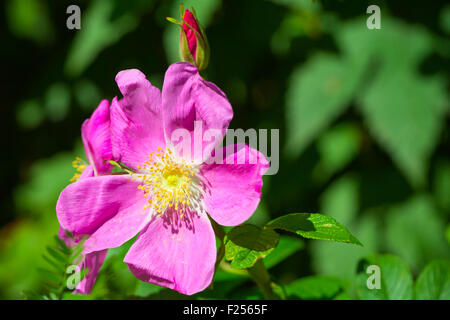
(194, 46)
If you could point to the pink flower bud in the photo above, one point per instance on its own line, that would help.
(190, 34)
(194, 46)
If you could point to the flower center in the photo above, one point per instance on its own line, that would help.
(169, 182)
(172, 180)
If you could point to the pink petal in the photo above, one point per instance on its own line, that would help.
(186, 98)
(180, 258)
(233, 188)
(136, 120)
(96, 136)
(93, 262)
(110, 209)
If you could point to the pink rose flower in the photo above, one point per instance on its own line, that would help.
(168, 197)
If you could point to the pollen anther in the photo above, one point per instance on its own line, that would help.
(168, 182)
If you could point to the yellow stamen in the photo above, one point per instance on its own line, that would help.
(80, 165)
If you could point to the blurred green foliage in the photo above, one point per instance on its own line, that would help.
(397, 281)
(363, 118)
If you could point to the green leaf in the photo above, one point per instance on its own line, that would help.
(396, 281)
(57, 255)
(62, 246)
(434, 281)
(286, 247)
(396, 46)
(60, 256)
(50, 275)
(247, 243)
(57, 266)
(76, 254)
(313, 226)
(415, 231)
(405, 113)
(317, 287)
(403, 110)
(318, 92)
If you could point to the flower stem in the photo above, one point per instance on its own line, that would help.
(225, 266)
(220, 233)
(260, 275)
(218, 230)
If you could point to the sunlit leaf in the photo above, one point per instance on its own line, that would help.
(313, 226)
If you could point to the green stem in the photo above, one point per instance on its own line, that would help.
(260, 275)
(220, 233)
(121, 166)
(220, 255)
(218, 230)
(225, 266)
